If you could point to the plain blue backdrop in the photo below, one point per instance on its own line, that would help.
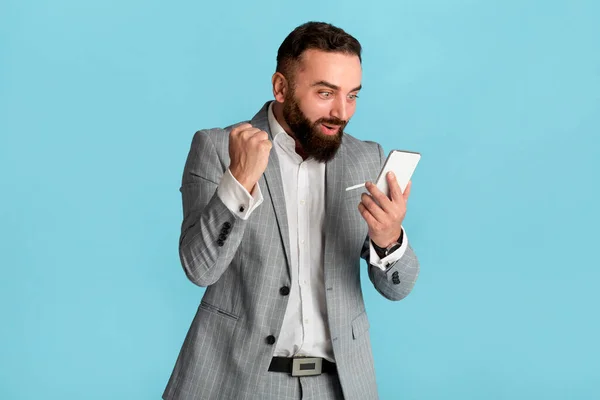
(99, 101)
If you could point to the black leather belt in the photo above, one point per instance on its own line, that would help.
(302, 366)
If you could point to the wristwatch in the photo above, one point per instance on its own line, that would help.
(385, 251)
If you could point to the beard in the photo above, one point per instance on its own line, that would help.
(315, 144)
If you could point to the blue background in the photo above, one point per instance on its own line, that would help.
(98, 104)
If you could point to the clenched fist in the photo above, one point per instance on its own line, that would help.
(249, 149)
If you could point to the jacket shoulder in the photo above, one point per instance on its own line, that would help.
(208, 156)
(362, 150)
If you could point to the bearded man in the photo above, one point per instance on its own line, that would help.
(271, 233)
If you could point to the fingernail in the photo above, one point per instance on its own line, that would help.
(391, 174)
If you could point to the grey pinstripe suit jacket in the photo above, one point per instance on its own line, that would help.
(225, 354)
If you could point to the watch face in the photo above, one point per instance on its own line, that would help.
(392, 248)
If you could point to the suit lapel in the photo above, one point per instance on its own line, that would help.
(273, 183)
(334, 189)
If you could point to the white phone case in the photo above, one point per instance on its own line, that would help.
(402, 163)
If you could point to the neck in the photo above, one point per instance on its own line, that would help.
(278, 113)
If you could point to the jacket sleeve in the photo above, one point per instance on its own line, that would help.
(397, 281)
(210, 233)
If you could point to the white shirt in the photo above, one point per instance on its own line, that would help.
(304, 331)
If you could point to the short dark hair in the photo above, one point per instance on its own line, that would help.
(317, 36)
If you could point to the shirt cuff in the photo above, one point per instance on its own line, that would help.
(236, 198)
(388, 261)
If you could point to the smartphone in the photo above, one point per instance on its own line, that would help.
(402, 163)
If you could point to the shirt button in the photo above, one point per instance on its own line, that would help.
(302, 202)
(271, 339)
(306, 321)
(242, 208)
(302, 241)
(284, 291)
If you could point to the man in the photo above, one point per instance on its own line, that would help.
(270, 231)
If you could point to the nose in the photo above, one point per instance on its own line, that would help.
(340, 108)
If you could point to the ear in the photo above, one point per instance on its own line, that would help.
(280, 86)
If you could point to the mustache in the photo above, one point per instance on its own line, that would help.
(332, 121)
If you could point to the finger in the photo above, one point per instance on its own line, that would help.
(265, 145)
(375, 210)
(395, 191)
(406, 193)
(384, 201)
(260, 136)
(367, 216)
(240, 128)
(249, 133)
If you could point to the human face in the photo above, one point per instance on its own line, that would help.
(321, 100)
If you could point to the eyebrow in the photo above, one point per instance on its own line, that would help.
(334, 87)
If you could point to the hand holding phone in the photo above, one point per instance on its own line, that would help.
(402, 163)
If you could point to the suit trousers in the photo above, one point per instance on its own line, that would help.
(282, 386)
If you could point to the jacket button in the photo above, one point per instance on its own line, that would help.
(284, 291)
(271, 339)
(220, 243)
(222, 236)
(226, 225)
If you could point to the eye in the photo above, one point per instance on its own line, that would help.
(353, 97)
(325, 94)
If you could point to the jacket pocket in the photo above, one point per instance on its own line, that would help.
(216, 310)
(360, 325)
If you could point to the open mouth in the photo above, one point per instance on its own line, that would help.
(329, 129)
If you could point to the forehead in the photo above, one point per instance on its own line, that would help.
(340, 69)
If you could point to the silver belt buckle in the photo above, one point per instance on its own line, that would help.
(306, 366)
